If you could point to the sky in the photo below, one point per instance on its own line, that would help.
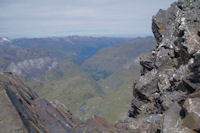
(45, 18)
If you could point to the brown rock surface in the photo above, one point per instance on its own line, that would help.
(23, 111)
(165, 97)
(10, 121)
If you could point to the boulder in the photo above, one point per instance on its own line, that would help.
(170, 76)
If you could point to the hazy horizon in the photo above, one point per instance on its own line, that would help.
(60, 18)
(63, 36)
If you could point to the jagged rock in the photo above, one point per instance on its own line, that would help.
(99, 125)
(165, 97)
(192, 120)
(172, 73)
(194, 78)
(10, 121)
(149, 124)
(172, 120)
(147, 63)
(24, 111)
(37, 114)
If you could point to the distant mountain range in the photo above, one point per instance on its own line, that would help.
(18, 54)
(72, 48)
(118, 57)
(84, 73)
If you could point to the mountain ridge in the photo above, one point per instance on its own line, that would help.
(54, 78)
(39, 115)
(166, 96)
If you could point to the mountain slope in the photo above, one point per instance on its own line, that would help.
(72, 48)
(115, 58)
(39, 63)
(166, 95)
(14, 54)
(32, 58)
(55, 78)
(69, 84)
(28, 113)
(115, 103)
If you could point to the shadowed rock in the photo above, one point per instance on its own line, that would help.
(165, 97)
(171, 74)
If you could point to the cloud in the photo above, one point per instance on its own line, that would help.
(28, 18)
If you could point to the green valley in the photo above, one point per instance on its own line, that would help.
(89, 75)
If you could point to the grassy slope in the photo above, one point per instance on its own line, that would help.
(68, 84)
(112, 66)
(70, 91)
(119, 57)
(115, 104)
(108, 97)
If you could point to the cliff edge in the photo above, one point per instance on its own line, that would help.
(24, 111)
(166, 97)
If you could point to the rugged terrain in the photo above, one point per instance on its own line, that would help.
(33, 58)
(166, 97)
(84, 91)
(119, 57)
(22, 111)
(51, 67)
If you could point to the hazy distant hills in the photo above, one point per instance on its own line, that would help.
(118, 57)
(71, 48)
(4, 40)
(13, 54)
(33, 57)
(90, 75)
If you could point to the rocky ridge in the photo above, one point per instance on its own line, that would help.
(166, 97)
(24, 111)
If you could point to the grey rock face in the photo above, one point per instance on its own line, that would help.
(31, 68)
(192, 120)
(172, 73)
(10, 121)
(166, 98)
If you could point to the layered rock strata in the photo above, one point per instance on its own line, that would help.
(24, 111)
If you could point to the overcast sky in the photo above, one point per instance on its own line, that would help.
(42, 18)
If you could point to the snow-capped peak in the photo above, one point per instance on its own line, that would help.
(4, 39)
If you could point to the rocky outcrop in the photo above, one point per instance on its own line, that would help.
(166, 96)
(33, 69)
(38, 115)
(24, 111)
(10, 121)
